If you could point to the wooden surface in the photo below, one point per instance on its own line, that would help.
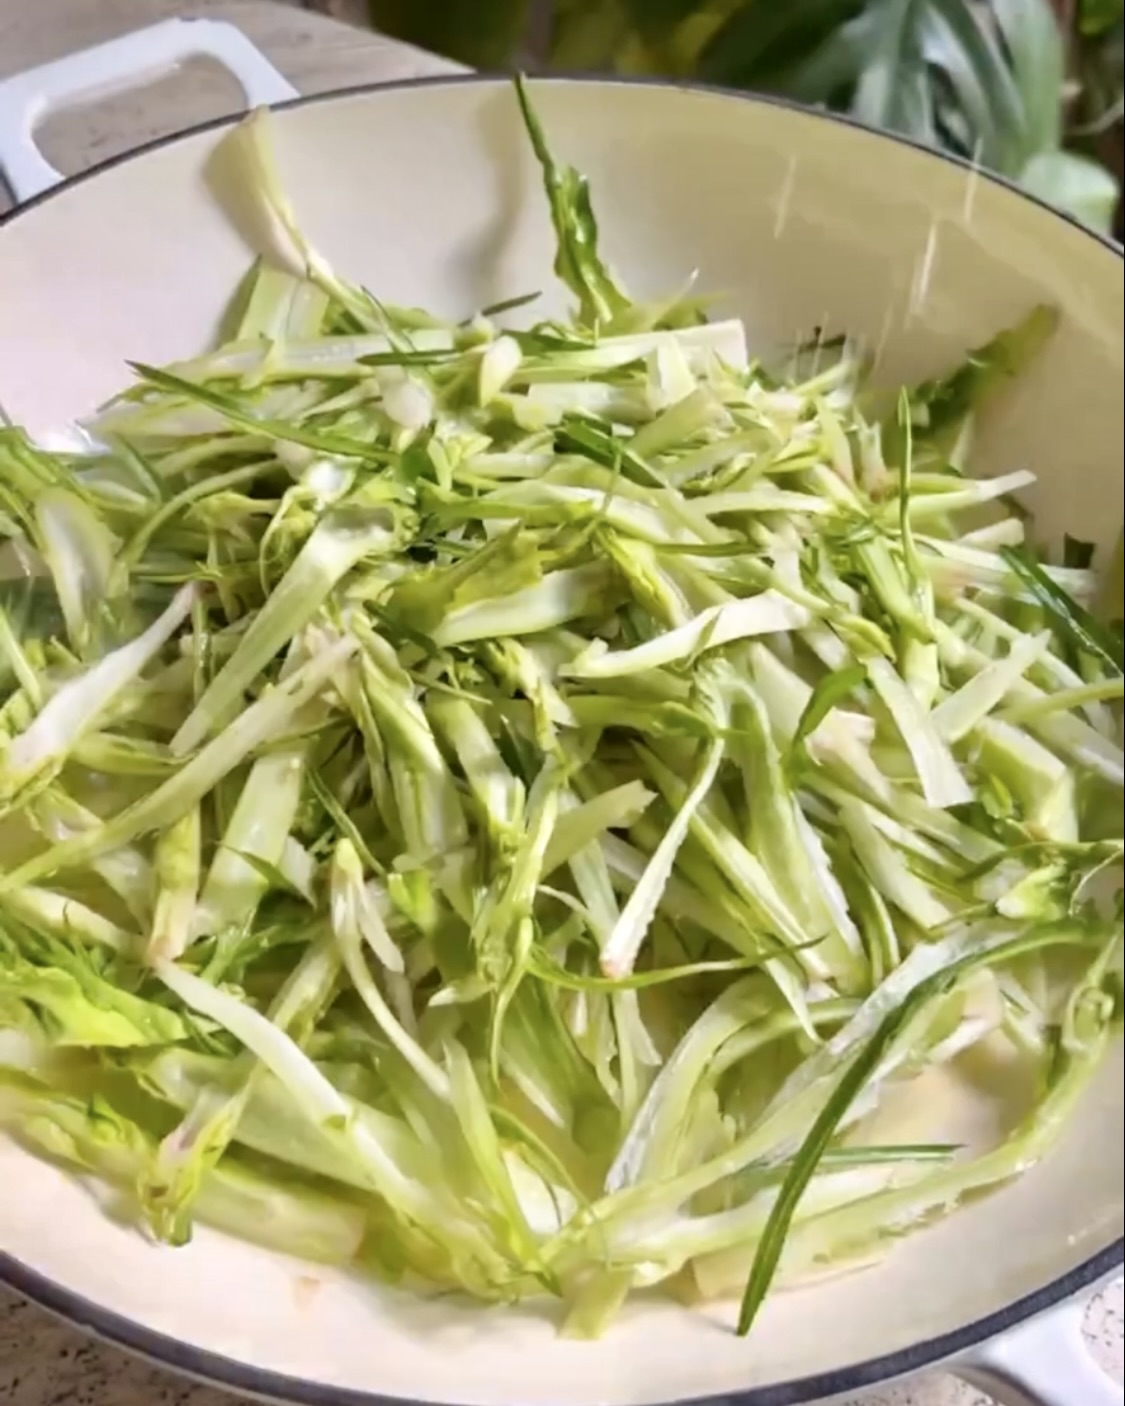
(353, 11)
(315, 53)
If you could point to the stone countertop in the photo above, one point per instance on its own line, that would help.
(44, 1362)
(316, 54)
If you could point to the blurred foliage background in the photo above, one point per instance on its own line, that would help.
(1029, 88)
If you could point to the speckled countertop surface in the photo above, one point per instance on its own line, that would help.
(44, 1362)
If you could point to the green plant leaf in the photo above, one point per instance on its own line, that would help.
(981, 82)
(761, 40)
(965, 117)
(1035, 45)
(829, 73)
(1096, 17)
(588, 36)
(894, 89)
(930, 69)
(1080, 186)
(654, 20)
(1073, 621)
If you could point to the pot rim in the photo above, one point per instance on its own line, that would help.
(236, 1376)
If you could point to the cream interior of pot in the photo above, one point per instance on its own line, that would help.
(428, 196)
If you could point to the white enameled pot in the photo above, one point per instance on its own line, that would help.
(426, 191)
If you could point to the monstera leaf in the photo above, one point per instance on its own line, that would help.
(983, 80)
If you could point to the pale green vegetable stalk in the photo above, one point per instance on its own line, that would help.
(956, 717)
(176, 1172)
(547, 808)
(760, 615)
(624, 942)
(177, 864)
(313, 1095)
(169, 802)
(337, 544)
(239, 1199)
(356, 920)
(75, 708)
(126, 871)
(942, 783)
(60, 916)
(79, 551)
(500, 794)
(257, 833)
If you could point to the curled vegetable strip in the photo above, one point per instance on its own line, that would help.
(711, 629)
(620, 950)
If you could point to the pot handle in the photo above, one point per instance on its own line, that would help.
(1043, 1362)
(147, 53)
